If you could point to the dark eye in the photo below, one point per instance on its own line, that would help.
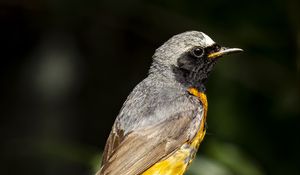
(197, 52)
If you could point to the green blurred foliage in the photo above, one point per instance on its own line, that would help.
(67, 66)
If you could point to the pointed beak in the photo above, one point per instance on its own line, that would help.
(224, 51)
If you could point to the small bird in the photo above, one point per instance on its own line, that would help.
(163, 121)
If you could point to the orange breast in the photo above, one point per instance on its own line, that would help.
(201, 133)
(178, 162)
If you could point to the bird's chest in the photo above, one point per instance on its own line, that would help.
(193, 145)
(179, 161)
(202, 129)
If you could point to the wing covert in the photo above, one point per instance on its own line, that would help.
(133, 153)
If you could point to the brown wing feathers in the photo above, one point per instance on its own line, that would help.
(142, 148)
(113, 141)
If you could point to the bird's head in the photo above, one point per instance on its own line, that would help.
(190, 56)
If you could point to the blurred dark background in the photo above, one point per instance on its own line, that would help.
(67, 67)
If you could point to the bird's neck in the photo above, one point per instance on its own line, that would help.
(178, 77)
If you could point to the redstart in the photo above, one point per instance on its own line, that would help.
(163, 121)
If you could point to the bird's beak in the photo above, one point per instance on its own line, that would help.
(223, 51)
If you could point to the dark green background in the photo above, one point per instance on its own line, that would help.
(68, 65)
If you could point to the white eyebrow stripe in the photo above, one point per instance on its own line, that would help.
(208, 40)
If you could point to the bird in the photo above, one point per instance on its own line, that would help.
(163, 120)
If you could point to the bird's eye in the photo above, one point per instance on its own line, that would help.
(197, 52)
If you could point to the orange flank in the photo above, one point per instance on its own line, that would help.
(178, 162)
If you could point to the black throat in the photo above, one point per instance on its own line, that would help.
(194, 74)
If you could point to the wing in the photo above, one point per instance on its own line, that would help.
(133, 153)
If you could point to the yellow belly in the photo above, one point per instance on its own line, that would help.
(179, 161)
